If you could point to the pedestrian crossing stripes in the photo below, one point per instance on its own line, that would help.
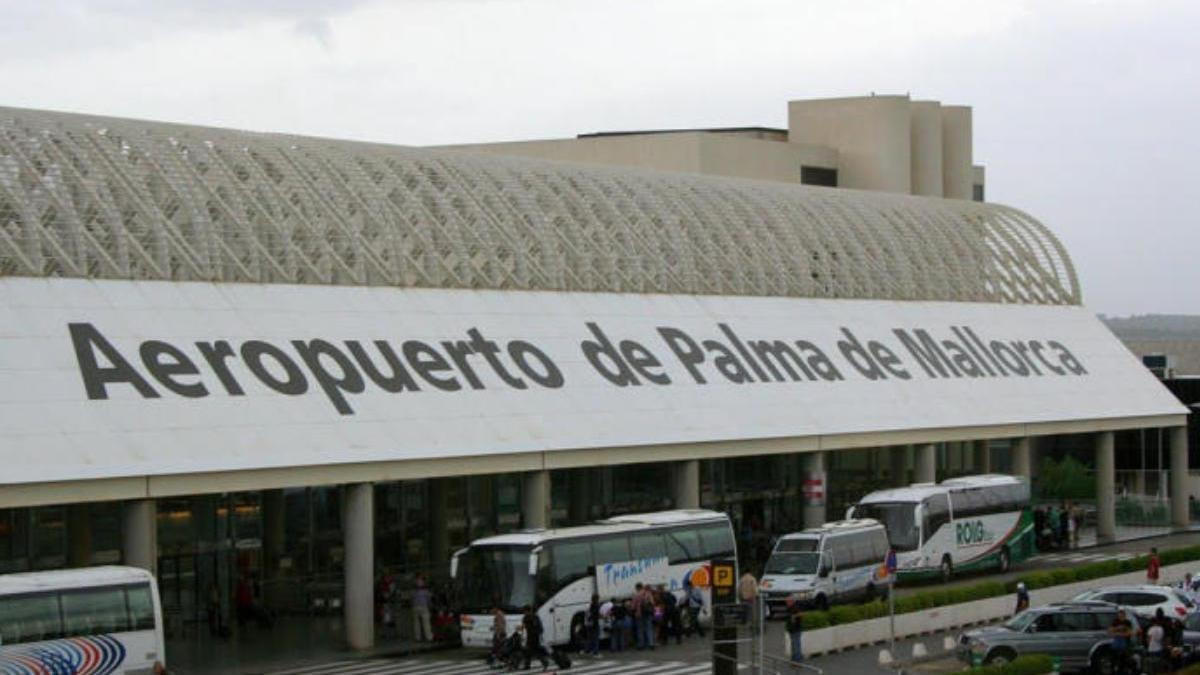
(583, 666)
(1075, 557)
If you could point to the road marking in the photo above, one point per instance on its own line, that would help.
(478, 667)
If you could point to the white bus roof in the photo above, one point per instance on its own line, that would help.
(918, 491)
(84, 577)
(834, 527)
(627, 523)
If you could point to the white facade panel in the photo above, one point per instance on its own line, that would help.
(134, 424)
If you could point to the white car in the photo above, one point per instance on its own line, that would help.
(1144, 599)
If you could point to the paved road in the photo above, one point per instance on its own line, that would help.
(692, 657)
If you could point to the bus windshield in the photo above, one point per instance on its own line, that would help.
(495, 576)
(792, 563)
(898, 518)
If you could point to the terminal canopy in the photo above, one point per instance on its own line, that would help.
(96, 197)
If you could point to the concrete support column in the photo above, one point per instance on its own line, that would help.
(1180, 517)
(535, 499)
(1106, 500)
(79, 535)
(687, 484)
(982, 459)
(813, 472)
(1022, 457)
(580, 504)
(899, 464)
(358, 530)
(925, 463)
(139, 534)
(439, 535)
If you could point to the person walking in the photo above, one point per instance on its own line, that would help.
(421, 600)
(499, 637)
(795, 629)
(591, 623)
(1022, 598)
(748, 592)
(671, 617)
(1121, 632)
(621, 619)
(693, 600)
(532, 626)
(643, 617)
(1153, 567)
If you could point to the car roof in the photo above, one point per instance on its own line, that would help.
(1140, 588)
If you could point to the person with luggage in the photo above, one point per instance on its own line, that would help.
(591, 625)
(532, 626)
(670, 616)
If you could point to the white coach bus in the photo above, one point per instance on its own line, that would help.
(557, 571)
(89, 621)
(960, 524)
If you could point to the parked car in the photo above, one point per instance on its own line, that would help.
(1075, 632)
(1143, 599)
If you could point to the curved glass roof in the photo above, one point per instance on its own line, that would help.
(96, 197)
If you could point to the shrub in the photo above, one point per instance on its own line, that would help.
(938, 597)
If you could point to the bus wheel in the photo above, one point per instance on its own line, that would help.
(947, 568)
(1005, 560)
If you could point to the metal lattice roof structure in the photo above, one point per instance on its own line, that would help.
(96, 197)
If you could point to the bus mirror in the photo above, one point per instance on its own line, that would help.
(454, 563)
(850, 513)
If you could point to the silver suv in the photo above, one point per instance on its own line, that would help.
(1076, 633)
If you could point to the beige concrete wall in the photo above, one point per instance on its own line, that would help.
(926, 153)
(741, 155)
(667, 152)
(872, 135)
(737, 156)
(956, 152)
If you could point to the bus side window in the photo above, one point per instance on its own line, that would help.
(614, 548)
(572, 560)
(646, 545)
(936, 514)
(95, 611)
(717, 541)
(683, 545)
(30, 618)
(141, 607)
(544, 582)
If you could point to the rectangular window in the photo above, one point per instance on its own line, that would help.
(141, 607)
(683, 546)
(818, 175)
(95, 611)
(30, 618)
(647, 545)
(717, 541)
(611, 549)
(572, 559)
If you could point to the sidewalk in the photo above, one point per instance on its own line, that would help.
(294, 641)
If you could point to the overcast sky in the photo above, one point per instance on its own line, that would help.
(1087, 113)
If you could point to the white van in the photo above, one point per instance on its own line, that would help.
(836, 562)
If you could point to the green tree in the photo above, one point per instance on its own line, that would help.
(1066, 479)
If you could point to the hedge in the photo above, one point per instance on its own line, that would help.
(842, 614)
(1030, 664)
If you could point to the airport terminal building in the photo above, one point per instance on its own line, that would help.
(226, 353)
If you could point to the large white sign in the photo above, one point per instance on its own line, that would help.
(112, 378)
(620, 579)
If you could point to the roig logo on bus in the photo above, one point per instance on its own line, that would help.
(972, 533)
